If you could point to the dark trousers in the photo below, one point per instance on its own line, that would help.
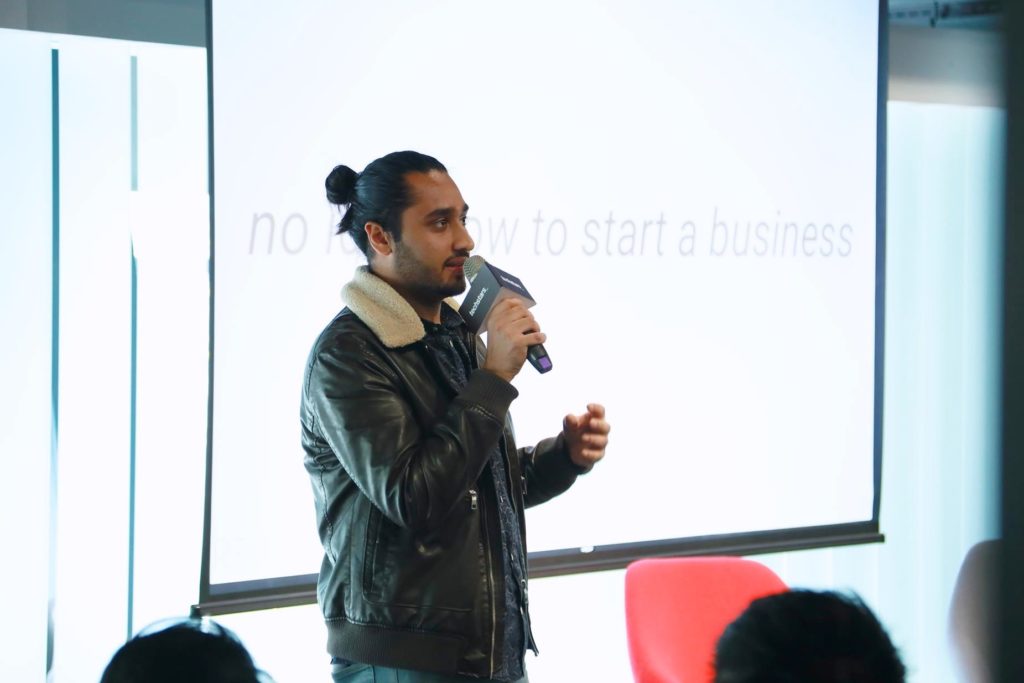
(367, 673)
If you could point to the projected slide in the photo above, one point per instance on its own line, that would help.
(687, 188)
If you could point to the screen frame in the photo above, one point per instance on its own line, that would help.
(289, 591)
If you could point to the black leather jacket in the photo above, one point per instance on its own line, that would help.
(395, 453)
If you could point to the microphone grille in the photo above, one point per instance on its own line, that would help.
(472, 266)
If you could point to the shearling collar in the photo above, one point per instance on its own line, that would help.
(385, 311)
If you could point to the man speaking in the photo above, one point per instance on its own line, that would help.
(418, 485)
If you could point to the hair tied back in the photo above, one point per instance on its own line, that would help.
(341, 185)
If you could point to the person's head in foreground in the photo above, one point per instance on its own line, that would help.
(190, 651)
(810, 637)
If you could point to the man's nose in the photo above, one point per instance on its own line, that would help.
(463, 240)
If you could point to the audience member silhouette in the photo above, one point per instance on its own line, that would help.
(972, 613)
(190, 651)
(810, 637)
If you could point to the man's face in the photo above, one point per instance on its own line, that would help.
(427, 260)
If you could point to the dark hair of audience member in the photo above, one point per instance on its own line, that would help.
(192, 651)
(379, 194)
(807, 636)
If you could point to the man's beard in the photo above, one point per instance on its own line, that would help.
(422, 282)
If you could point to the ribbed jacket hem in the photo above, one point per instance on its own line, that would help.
(395, 648)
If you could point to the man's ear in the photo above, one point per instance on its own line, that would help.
(379, 239)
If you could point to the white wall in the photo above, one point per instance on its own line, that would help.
(118, 194)
(25, 297)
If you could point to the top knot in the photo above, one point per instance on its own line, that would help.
(341, 185)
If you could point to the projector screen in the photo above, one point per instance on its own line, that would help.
(690, 189)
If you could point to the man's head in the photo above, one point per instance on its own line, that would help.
(409, 218)
(193, 650)
(807, 636)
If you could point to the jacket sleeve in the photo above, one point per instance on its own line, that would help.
(413, 474)
(547, 470)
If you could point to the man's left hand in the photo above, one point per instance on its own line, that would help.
(586, 435)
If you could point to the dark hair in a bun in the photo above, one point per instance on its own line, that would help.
(341, 183)
(378, 194)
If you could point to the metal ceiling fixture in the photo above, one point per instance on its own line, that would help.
(980, 14)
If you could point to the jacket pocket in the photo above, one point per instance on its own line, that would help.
(440, 571)
(375, 553)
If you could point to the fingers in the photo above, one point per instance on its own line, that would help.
(597, 423)
(588, 454)
(511, 317)
(587, 435)
(532, 338)
(591, 421)
(596, 441)
(593, 432)
(511, 308)
(511, 329)
(598, 426)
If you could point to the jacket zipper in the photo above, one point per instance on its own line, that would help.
(527, 632)
(490, 586)
(483, 522)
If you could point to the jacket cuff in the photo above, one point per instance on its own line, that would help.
(561, 445)
(490, 392)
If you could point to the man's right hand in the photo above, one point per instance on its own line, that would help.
(511, 329)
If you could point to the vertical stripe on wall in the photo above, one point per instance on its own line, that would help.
(135, 122)
(131, 445)
(54, 344)
(134, 97)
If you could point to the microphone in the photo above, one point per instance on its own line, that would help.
(487, 286)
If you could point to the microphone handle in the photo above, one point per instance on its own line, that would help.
(538, 357)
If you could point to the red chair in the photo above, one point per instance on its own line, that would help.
(676, 608)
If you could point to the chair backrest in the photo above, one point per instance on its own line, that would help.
(676, 608)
